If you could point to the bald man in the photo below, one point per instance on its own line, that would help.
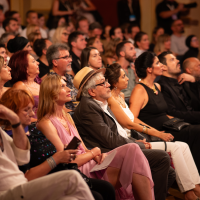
(191, 66)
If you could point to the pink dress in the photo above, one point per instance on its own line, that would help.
(129, 158)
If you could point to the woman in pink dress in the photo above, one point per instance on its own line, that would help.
(128, 174)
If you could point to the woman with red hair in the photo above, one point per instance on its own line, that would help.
(24, 70)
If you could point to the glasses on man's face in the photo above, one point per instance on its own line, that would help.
(65, 57)
(103, 83)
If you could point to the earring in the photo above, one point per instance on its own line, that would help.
(115, 88)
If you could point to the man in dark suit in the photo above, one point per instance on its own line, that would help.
(179, 98)
(98, 127)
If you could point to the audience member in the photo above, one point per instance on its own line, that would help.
(176, 97)
(40, 47)
(24, 70)
(76, 43)
(42, 23)
(84, 8)
(15, 152)
(110, 52)
(151, 107)
(60, 62)
(39, 161)
(60, 22)
(10, 25)
(95, 42)
(166, 12)
(141, 43)
(5, 5)
(179, 151)
(83, 26)
(6, 37)
(91, 57)
(52, 117)
(116, 32)
(163, 44)
(32, 19)
(178, 45)
(60, 8)
(133, 29)
(157, 31)
(98, 127)
(16, 15)
(5, 75)
(2, 18)
(3, 52)
(17, 44)
(61, 35)
(191, 66)
(192, 43)
(128, 11)
(106, 35)
(126, 57)
(95, 30)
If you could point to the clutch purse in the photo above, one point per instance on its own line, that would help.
(175, 124)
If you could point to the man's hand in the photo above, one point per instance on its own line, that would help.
(146, 144)
(185, 77)
(6, 113)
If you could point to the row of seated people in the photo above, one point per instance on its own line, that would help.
(32, 70)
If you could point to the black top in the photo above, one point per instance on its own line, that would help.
(154, 113)
(165, 22)
(44, 69)
(76, 66)
(123, 11)
(192, 52)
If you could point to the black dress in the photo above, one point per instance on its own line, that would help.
(154, 114)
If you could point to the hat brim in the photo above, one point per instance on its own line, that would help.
(78, 96)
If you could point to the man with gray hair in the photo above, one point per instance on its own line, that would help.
(60, 62)
(98, 127)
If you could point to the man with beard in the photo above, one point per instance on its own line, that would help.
(60, 61)
(178, 45)
(178, 98)
(126, 54)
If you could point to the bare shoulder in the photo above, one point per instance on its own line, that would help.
(44, 123)
(158, 86)
(138, 89)
(20, 85)
(111, 101)
(122, 95)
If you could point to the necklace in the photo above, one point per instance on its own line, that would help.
(63, 121)
(153, 88)
(119, 100)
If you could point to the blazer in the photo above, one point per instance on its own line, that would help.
(97, 129)
(175, 101)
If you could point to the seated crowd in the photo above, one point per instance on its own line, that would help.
(131, 104)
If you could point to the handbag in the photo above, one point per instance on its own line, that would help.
(175, 124)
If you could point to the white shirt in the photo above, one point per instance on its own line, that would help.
(10, 158)
(104, 107)
(42, 31)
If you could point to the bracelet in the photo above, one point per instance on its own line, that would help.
(51, 162)
(144, 129)
(16, 125)
(92, 153)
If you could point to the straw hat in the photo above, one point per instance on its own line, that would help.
(81, 78)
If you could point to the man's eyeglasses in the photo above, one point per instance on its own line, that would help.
(103, 83)
(64, 57)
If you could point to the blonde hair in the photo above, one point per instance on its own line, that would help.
(49, 90)
(57, 35)
(31, 29)
(160, 47)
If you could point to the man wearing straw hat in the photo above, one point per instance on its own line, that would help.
(98, 127)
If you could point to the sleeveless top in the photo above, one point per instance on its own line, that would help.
(130, 115)
(154, 112)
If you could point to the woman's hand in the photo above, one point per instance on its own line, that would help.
(99, 159)
(166, 136)
(65, 156)
(96, 151)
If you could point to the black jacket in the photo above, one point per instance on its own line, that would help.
(96, 128)
(177, 104)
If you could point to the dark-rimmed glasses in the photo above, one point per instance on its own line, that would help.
(64, 57)
(103, 83)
